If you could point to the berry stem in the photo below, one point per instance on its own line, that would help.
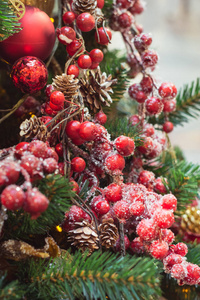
(121, 234)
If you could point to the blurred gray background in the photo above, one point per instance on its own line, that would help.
(175, 27)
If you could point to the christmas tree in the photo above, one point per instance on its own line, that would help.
(95, 203)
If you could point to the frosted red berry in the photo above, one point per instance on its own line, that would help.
(72, 129)
(101, 37)
(113, 192)
(50, 165)
(121, 210)
(171, 260)
(154, 105)
(147, 230)
(147, 84)
(134, 120)
(115, 162)
(167, 236)
(10, 172)
(52, 153)
(169, 105)
(159, 186)
(137, 208)
(137, 246)
(123, 3)
(167, 90)
(101, 118)
(69, 17)
(73, 47)
(49, 89)
(180, 249)
(96, 55)
(149, 58)
(159, 249)
(124, 145)
(88, 131)
(102, 207)
(137, 7)
(84, 61)
(13, 197)
(168, 127)
(73, 70)
(75, 214)
(100, 4)
(147, 145)
(78, 164)
(135, 91)
(65, 35)
(38, 149)
(35, 202)
(142, 41)
(85, 22)
(32, 165)
(125, 20)
(148, 129)
(146, 178)
(192, 274)
(164, 218)
(178, 271)
(21, 148)
(169, 201)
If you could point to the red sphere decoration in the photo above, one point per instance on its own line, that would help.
(168, 127)
(37, 37)
(101, 37)
(84, 61)
(29, 74)
(85, 22)
(69, 17)
(96, 55)
(73, 70)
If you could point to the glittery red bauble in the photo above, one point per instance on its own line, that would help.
(29, 74)
(37, 37)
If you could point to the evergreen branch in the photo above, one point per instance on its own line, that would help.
(94, 277)
(9, 25)
(107, 9)
(120, 126)
(59, 192)
(10, 291)
(193, 254)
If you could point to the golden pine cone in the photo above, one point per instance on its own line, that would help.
(33, 128)
(83, 6)
(95, 89)
(108, 233)
(84, 236)
(66, 84)
(190, 220)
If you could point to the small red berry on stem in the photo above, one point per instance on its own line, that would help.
(38, 148)
(78, 164)
(168, 127)
(101, 118)
(59, 149)
(125, 20)
(88, 131)
(169, 201)
(147, 230)
(21, 148)
(66, 35)
(49, 89)
(159, 249)
(50, 165)
(124, 145)
(142, 41)
(136, 92)
(73, 70)
(73, 47)
(121, 210)
(72, 129)
(169, 105)
(94, 65)
(96, 55)
(115, 162)
(13, 197)
(85, 22)
(137, 7)
(149, 58)
(69, 17)
(35, 202)
(154, 105)
(84, 61)
(113, 192)
(123, 3)
(164, 218)
(167, 90)
(102, 36)
(57, 98)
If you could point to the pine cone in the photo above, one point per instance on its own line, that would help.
(66, 84)
(83, 6)
(190, 220)
(33, 128)
(95, 89)
(108, 233)
(84, 236)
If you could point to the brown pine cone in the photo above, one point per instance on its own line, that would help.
(84, 236)
(108, 233)
(83, 6)
(33, 128)
(66, 84)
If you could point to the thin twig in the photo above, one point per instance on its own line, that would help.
(15, 107)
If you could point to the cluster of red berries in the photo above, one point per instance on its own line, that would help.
(32, 161)
(30, 105)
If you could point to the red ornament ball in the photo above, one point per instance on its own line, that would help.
(85, 22)
(36, 38)
(29, 74)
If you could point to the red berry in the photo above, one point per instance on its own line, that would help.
(147, 145)
(146, 178)
(149, 58)
(55, 107)
(137, 208)
(137, 7)
(30, 102)
(121, 210)
(164, 218)
(137, 162)
(167, 90)
(72, 129)
(84, 61)
(45, 120)
(75, 186)
(124, 145)
(148, 129)
(32, 165)
(137, 246)
(123, 3)
(100, 117)
(180, 249)
(69, 17)
(65, 35)
(78, 164)
(96, 55)
(171, 260)
(20, 149)
(50, 165)
(35, 202)
(10, 172)
(135, 91)
(78, 141)
(88, 131)
(168, 127)
(38, 148)
(192, 274)
(49, 111)
(85, 22)
(57, 98)
(101, 37)
(178, 271)
(115, 162)
(73, 47)
(167, 236)
(159, 249)
(20, 111)
(134, 120)
(154, 105)
(142, 41)
(73, 70)
(100, 4)
(95, 200)
(94, 65)
(169, 106)
(159, 186)
(125, 20)
(146, 84)
(113, 192)
(13, 197)
(147, 230)
(169, 201)
(76, 214)
(59, 149)
(49, 89)
(52, 153)
(102, 207)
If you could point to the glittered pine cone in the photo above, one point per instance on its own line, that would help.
(84, 6)
(84, 236)
(108, 233)
(33, 128)
(66, 84)
(190, 220)
(45, 5)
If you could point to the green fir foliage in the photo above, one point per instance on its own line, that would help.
(193, 254)
(92, 278)
(108, 8)
(59, 192)
(10, 291)
(9, 25)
